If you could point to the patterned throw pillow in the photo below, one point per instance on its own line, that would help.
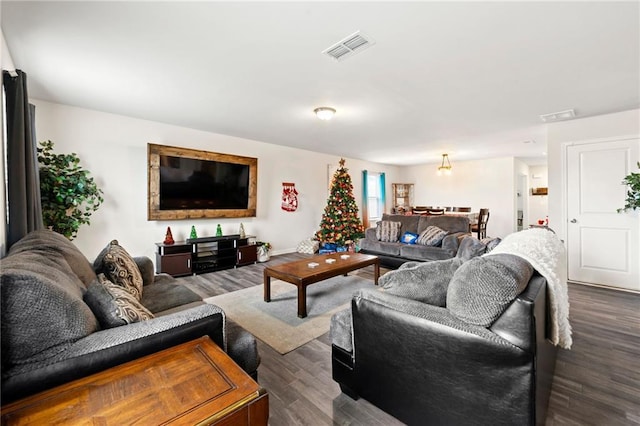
(432, 236)
(113, 305)
(120, 268)
(388, 231)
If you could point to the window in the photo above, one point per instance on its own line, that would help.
(374, 201)
(374, 197)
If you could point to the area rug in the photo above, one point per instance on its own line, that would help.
(276, 323)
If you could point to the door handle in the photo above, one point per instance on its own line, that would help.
(574, 221)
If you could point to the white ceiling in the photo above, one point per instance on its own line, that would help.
(467, 78)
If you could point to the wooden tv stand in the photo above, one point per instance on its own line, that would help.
(207, 254)
(192, 383)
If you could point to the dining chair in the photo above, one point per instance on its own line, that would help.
(420, 210)
(462, 209)
(448, 209)
(435, 212)
(481, 226)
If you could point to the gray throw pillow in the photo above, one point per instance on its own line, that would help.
(470, 247)
(113, 305)
(482, 288)
(388, 231)
(425, 282)
(431, 236)
(491, 242)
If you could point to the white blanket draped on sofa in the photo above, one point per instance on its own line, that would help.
(546, 253)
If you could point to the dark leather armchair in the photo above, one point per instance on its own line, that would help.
(423, 365)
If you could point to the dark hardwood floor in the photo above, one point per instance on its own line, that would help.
(597, 382)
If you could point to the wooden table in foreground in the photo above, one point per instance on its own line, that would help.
(192, 383)
(302, 275)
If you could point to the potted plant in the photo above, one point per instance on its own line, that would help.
(69, 194)
(264, 251)
(632, 180)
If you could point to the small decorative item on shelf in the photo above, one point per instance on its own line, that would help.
(241, 232)
(168, 238)
(193, 233)
(263, 250)
(219, 231)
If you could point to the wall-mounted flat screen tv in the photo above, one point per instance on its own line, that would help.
(187, 183)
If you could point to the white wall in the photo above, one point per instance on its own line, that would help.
(477, 184)
(114, 149)
(602, 127)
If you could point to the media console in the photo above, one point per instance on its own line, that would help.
(207, 254)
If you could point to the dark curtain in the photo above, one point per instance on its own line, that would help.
(23, 182)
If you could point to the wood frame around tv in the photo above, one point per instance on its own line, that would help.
(154, 152)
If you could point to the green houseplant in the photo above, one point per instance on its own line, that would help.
(69, 194)
(632, 180)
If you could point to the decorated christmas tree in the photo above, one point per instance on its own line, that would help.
(340, 222)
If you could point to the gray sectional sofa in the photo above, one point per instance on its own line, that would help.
(52, 332)
(394, 254)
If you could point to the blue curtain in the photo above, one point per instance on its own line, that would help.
(365, 199)
(383, 193)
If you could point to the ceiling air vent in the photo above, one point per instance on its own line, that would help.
(558, 116)
(349, 46)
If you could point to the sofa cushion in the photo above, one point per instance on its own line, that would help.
(42, 309)
(49, 242)
(425, 253)
(390, 249)
(482, 288)
(448, 223)
(407, 223)
(388, 231)
(165, 293)
(340, 330)
(425, 282)
(113, 305)
(120, 268)
(431, 236)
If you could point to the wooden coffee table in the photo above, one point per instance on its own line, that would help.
(302, 275)
(192, 383)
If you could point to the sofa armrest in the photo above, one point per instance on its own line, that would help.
(523, 321)
(146, 269)
(107, 348)
(451, 242)
(370, 234)
(407, 353)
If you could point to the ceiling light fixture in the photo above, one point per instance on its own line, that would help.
(445, 167)
(324, 113)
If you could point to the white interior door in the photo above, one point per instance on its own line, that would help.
(603, 245)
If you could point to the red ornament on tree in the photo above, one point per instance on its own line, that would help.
(168, 239)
